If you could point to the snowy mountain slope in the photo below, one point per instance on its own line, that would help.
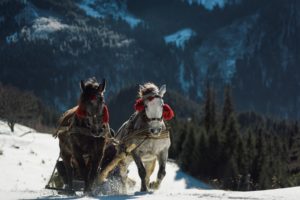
(212, 4)
(180, 37)
(222, 49)
(104, 8)
(28, 159)
(251, 44)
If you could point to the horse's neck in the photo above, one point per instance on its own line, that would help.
(135, 121)
(89, 121)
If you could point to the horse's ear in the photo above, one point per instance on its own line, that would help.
(141, 87)
(82, 86)
(102, 86)
(162, 90)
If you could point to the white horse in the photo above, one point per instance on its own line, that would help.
(146, 128)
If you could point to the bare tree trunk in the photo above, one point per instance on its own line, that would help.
(11, 126)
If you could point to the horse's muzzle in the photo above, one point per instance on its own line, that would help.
(155, 131)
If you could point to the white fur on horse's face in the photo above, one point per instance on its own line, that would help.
(154, 108)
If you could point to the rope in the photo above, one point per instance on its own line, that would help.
(164, 134)
(81, 131)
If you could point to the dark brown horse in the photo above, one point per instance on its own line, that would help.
(82, 134)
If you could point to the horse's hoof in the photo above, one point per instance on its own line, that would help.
(154, 185)
(143, 193)
(89, 193)
(144, 189)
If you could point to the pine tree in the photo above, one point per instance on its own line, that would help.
(242, 164)
(231, 174)
(214, 154)
(179, 137)
(231, 135)
(188, 147)
(260, 164)
(294, 151)
(231, 138)
(227, 107)
(278, 163)
(250, 155)
(201, 165)
(209, 109)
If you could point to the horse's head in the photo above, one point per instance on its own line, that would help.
(91, 99)
(151, 98)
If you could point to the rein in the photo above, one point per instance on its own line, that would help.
(145, 133)
(87, 132)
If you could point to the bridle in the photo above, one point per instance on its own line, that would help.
(92, 121)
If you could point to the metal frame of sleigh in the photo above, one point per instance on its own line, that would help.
(115, 152)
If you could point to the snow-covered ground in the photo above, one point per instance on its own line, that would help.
(28, 158)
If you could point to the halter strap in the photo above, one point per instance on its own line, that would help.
(153, 119)
(154, 95)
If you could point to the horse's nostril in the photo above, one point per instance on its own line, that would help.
(152, 130)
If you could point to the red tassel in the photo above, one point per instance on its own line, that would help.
(80, 112)
(139, 105)
(168, 113)
(105, 115)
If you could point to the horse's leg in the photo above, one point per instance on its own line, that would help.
(162, 160)
(81, 164)
(142, 171)
(96, 158)
(123, 172)
(69, 172)
(149, 166)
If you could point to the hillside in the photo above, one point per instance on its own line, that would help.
(250, 44)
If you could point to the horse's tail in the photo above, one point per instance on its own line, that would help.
(65, 120)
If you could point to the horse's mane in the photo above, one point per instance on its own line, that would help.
(65, 119)
(91, 82)
(147, 88)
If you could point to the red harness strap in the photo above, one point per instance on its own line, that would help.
(81, 113)
(105, 114)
